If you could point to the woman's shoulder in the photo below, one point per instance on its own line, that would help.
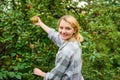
(71, 48)
(73, 45)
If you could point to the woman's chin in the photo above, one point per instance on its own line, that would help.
(64, 38)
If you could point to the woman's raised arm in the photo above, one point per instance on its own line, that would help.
(37, 21)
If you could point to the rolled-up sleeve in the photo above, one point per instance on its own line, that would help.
(57, 72)
(55, 37)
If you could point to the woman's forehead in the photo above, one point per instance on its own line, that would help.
(63, 22)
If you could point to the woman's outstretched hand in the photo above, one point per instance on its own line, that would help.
(36, 20)
(38, 72)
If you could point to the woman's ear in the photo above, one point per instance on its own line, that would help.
(74, 31)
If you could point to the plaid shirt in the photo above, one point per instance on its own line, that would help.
(68, 60)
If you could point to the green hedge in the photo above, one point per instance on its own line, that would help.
(24, 46)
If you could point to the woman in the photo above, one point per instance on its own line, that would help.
(68, 58)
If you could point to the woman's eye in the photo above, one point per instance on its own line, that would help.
(68, 28)
(61, 27)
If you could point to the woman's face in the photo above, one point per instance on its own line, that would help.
(66, 30)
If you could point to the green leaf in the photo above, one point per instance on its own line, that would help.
(18, 76)
(11, 74)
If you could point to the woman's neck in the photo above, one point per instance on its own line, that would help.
(71, 39)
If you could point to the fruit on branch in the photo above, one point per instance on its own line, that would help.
(32, 46)
(34, 19)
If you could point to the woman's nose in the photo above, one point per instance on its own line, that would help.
(63, 30)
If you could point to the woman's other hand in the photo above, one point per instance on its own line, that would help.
(38, 72)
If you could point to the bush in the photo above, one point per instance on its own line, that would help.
(24, 46)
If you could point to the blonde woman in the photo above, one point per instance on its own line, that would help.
(68, 61)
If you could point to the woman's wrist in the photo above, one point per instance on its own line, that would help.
(42, 74)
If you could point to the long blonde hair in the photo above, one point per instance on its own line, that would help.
(73, 22)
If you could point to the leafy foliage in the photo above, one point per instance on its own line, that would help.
(24, 46)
